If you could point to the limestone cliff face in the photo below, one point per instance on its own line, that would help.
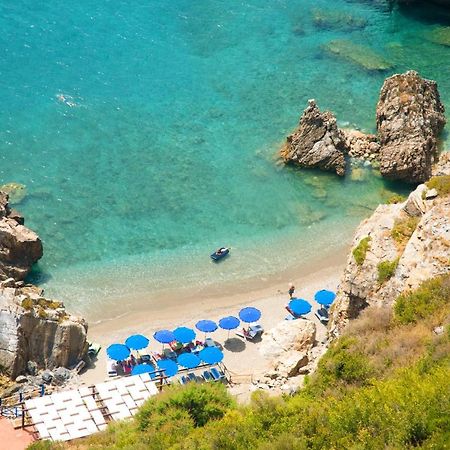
(33, 328)
(410, 116)
(20, 247)
(412, 237)
(317, 143)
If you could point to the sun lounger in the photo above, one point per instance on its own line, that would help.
(170, 354)
(207, 376)
(217, 374)
(251, 333)
(184, 380)
(209, 342)
(322, 315)
(193, 377)
(111, 368)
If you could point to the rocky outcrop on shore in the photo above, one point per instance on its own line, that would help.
(396, 249)
(34, 331)
(317, 142)
(37, 330)
(20, 247)
(410, 117)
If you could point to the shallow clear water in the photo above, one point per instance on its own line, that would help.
(146, 133)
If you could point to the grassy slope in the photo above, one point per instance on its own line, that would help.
(384, 384)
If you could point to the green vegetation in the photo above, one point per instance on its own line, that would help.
(359, 252)
(386, 270)
(441, 184)
(49, 304)
(403, 229)
(395, 198)
(383, 384)
(27, 304)
(430, 298)
(42, 314)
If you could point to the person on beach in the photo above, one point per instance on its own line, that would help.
(291, 290)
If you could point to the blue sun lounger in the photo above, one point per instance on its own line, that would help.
(217, 374)
(207, 376)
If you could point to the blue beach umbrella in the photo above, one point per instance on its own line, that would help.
(136, 342)
(118, 352)
(142, 368)
(170, 367)
(211, 355)
(188, 360)
(299, 306)
(207, 326)
(324, 297)
(184, 335)
(164, 336)
(229, 323)
(249, 314)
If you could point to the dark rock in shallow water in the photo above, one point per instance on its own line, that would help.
(410, 116)
(317, 143)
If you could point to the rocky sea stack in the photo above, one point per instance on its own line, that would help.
(20, 247)
(410, 117)
(317, 142)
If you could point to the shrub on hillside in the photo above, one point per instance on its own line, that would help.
(195, 404)
(386, 270)
(360, 251)
(424, 301)
(395, 198)
(344, 364)
(403, 229)
(441, 184)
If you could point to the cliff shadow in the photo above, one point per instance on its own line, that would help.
(38, 275)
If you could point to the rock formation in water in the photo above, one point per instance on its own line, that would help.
(317, 142)
(20, 247)
(33, 328)
(396, 249)
(361, 145)
(410, 116)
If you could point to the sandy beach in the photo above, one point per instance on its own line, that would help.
(242, 359)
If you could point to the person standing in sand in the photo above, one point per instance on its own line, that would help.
(291, 290)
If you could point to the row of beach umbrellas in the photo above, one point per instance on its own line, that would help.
(184, 335)
(299, 306)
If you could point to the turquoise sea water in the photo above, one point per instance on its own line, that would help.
(146, 133)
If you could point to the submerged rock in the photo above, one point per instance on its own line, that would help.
(410, 116)
(440, 36)
(16, 191)
(337, 19)
(20, 247)
(317, 143)
(357, 54)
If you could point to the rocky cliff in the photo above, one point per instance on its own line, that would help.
(33, 328)
(396, 249)
(317, 142)
(410, 117)
(20, 247)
